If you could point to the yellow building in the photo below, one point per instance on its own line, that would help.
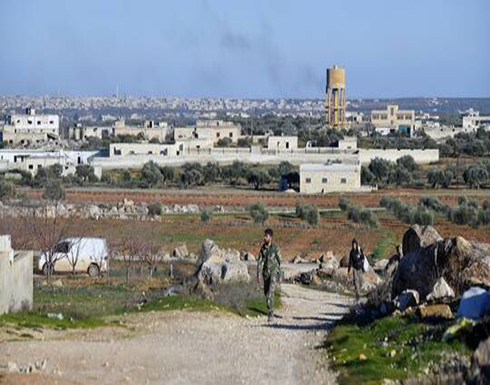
(393, 119)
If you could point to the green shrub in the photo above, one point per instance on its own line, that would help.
(343, 203)
(435, 204)
(308, 212)
(358, 213)
(7, 190)
(155, 208)
(258, 212)
(206, 216)
(463, 215)
(53, 190)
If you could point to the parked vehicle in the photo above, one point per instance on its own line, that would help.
(87, 254)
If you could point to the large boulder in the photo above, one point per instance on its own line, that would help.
(480, 363)
(246, 256)
(217, 266)
(460, 262)
(328, 261)
(344, 261)
(180, 252)
(418, 237)
(299, 259)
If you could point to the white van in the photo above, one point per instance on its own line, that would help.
(89, 255)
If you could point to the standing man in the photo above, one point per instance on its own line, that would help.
(269, 265)
(356, 261)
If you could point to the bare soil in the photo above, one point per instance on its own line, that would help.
(185, 348)
(213, 196)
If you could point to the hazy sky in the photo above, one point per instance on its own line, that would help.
(244, 49)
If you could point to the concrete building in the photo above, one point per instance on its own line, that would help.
(30, 128)
(213, 130)
(335, 97)
(146, 149)
(150, 130)
(318, 178)
(394, 119)
(348, 143)
(282, 143)
(81, 132)
(474, 121)
(16, 278)
(33, 160)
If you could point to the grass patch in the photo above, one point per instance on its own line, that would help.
(79, 304)
(35, 320)
(385, 246)
(182, 303)
(416, 345)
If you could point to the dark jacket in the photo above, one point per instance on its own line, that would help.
(356, 258)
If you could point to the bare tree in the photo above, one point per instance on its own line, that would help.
(48, 230)
(151, 256)
(131, 248)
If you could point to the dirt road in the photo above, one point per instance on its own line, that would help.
(186, 348)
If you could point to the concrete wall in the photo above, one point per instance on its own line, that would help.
(263, 156)
(420, 156)
(16, 278)
(228, 156)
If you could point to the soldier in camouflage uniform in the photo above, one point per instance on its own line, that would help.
(269, 265)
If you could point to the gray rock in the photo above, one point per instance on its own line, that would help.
(180, 252)
(299, 259)
(328, 261)
(173, 290)
(440, 291)
(417, 237)
(246, 256)
(217, 266)
(406, 299)
(480, 363)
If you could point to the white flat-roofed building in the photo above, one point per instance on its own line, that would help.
(32, 160)
(132, 149)
(348, 143)
(282, 143)
(321, 178)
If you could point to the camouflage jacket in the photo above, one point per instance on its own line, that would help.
(269, 260)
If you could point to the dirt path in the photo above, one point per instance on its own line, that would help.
(186, 348)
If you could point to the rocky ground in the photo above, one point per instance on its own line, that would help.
(184, 347)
